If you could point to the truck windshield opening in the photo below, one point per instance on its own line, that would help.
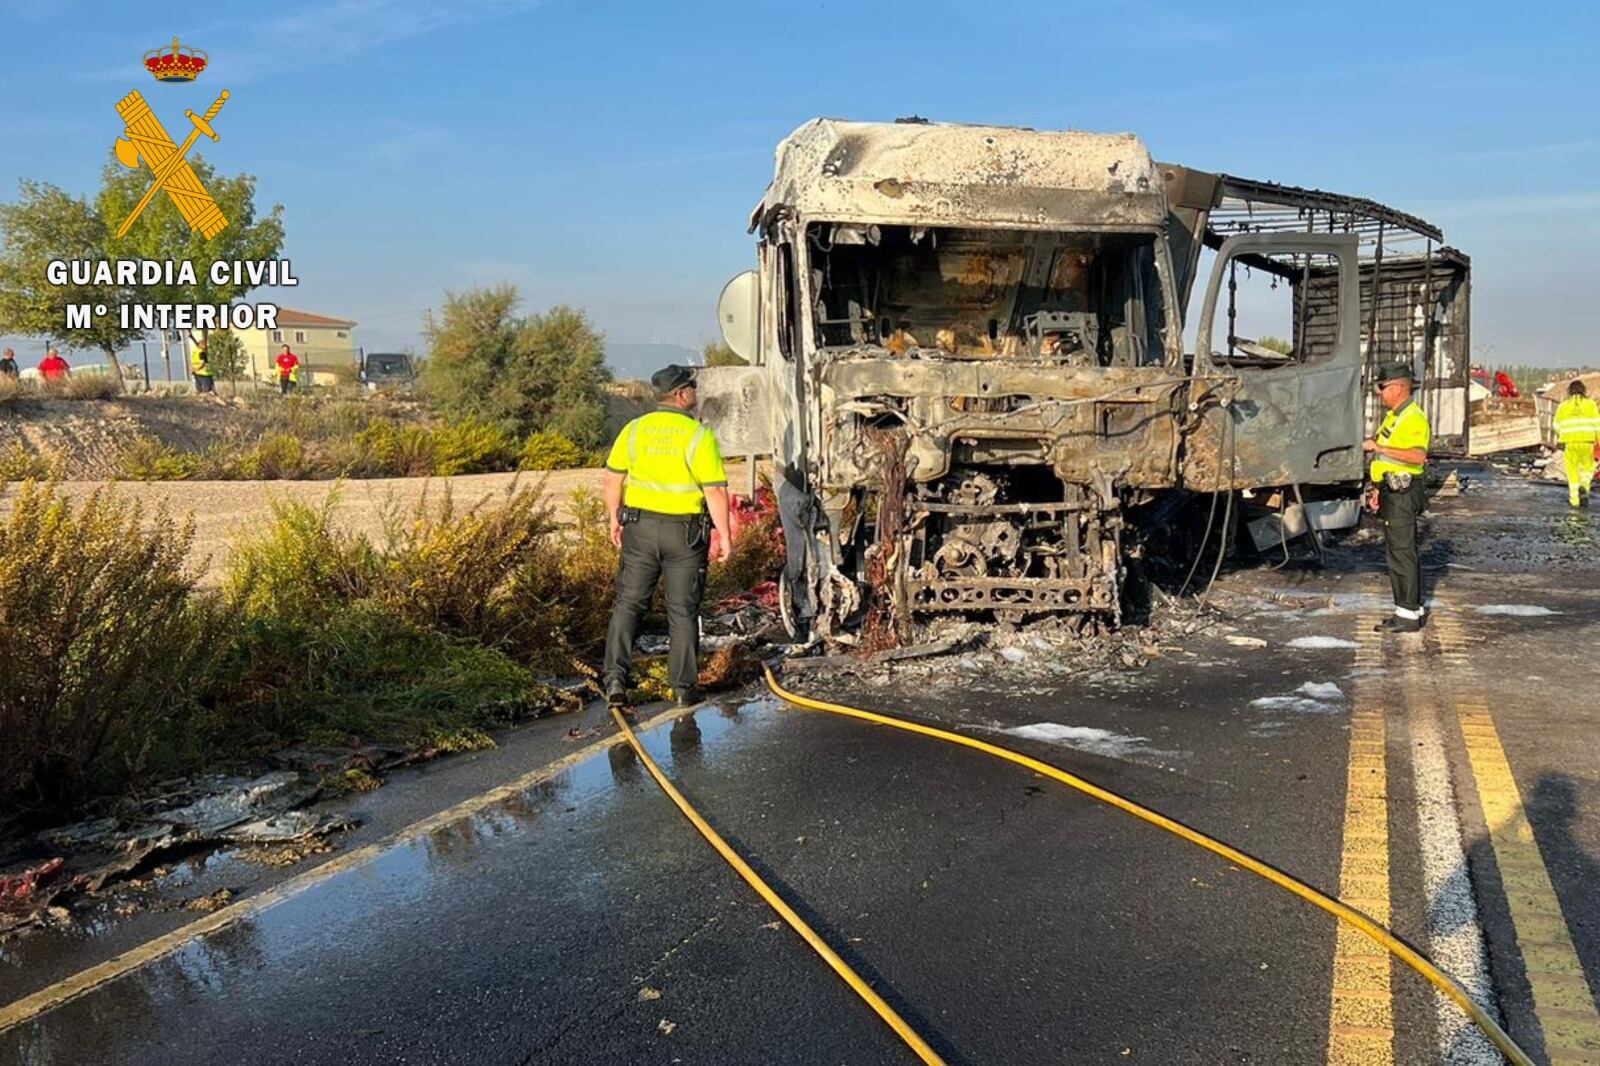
(1073, 299)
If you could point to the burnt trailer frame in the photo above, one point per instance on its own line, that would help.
(1422, 314)
(1002, 475)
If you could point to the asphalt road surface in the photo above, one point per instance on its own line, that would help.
(1447, 783)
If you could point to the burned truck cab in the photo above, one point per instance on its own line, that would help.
(966, 349)
(970, 350)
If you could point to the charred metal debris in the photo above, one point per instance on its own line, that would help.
(968, 365)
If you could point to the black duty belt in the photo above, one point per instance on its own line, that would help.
(639, 514)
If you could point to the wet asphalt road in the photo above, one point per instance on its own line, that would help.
(1008, 919)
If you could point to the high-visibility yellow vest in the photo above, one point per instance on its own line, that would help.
(197, 362)
(670, 460)
(1577, 421)
(1404, 427)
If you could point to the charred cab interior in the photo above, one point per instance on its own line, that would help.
(1086, 299)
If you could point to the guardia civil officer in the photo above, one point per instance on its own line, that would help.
(665, 490)
(1399, 455)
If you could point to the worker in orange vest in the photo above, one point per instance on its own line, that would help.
(288, 367)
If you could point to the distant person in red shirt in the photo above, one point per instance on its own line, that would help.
(53, 367)
(287, 362)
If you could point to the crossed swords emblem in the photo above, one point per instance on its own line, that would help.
(148, 139)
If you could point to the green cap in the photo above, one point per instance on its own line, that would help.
(670, 379)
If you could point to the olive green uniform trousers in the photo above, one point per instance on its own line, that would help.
(1400, 510)
(676, 547)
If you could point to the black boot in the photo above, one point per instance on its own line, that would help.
(1395, 624)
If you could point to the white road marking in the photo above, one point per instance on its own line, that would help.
(1455, 937)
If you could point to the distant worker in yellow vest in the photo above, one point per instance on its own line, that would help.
(200, 364)
(1577, 426)
(1399, 456)
(665, 489)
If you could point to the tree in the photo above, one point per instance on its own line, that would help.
(225, 352)
(161, 233)
(47, 223)
(524, 373)
(716, 353)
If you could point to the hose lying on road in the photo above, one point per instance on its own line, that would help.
(1345, 913)
(797, 923)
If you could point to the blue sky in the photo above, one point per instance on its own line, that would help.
(607, 154)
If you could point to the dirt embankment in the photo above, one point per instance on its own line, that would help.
(88, 437)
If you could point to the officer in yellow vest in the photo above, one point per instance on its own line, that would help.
(204, 382)
(665, 490)
(1399, 454)
(1577, 426)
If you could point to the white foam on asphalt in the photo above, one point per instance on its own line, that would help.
(1317, 643)
(1515, 610)
(1321, 690)
(1293, 704)
(1455, 938)
(1084, 738)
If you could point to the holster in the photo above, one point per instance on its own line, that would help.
(1397, 480)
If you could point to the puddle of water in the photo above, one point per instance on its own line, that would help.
(1085, 738)
(1293, 704)
(1318, 643)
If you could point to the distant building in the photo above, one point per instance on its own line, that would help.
(321, 342)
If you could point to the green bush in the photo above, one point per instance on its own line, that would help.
(449, 569)
(116, 668)
(18, 462)
(276, 456)
(472, 447)
(548, 450)
(557, 605)
(393, 449)
(147, 459)
(300, 568)
(363, 672)
(105, 646)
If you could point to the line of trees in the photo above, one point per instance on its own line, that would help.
(47, 223)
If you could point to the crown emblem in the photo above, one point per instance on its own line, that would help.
(182, 63)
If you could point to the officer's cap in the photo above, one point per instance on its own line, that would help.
(669, 379)
(1395, 371)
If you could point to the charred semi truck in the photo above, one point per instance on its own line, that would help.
(968, 363)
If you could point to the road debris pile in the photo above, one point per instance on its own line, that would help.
(212, 812)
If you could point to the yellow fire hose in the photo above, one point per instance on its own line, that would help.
(1345, 913)
(797, 923)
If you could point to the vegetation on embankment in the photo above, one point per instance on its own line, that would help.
(116, 668)
(260, 438)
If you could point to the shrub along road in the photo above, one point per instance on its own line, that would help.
(223, 510)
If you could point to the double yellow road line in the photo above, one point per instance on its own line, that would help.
(1563, 1002)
